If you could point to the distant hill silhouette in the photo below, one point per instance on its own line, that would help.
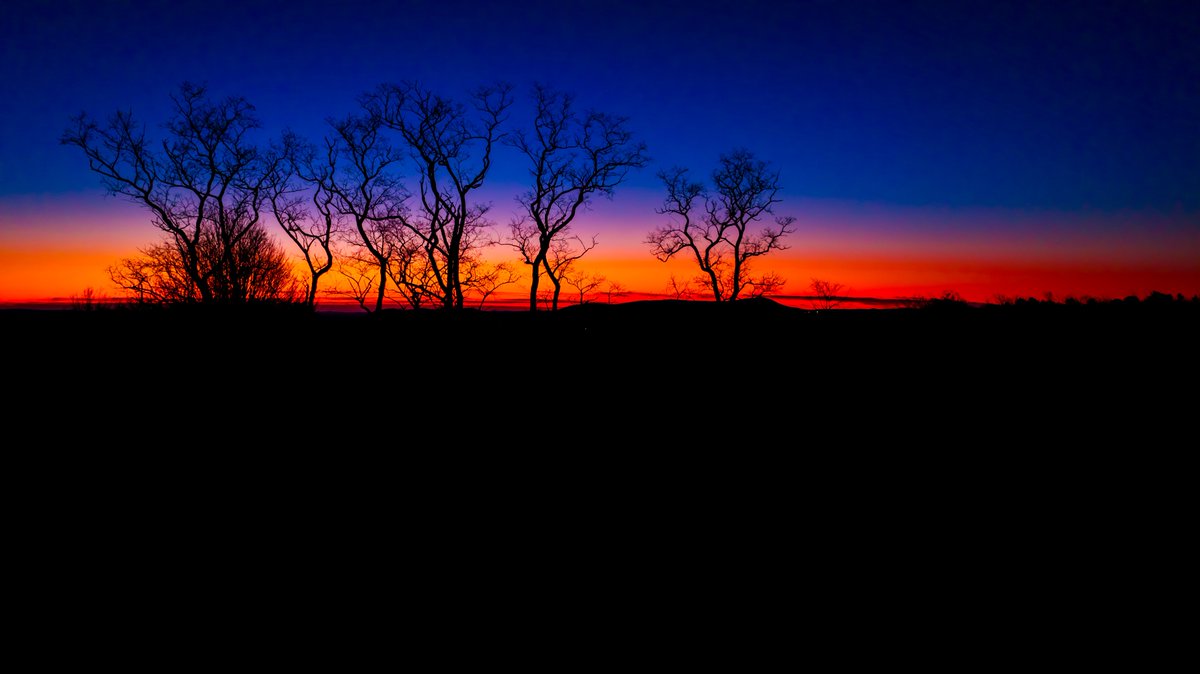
(636, 356)
(845, 411)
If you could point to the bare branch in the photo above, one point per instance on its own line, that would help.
(355, 180)
(825, 294)
(720, 238)
(679, 291)
(615, 290)
(571, 158)
(585, 284)
(204, 184)
(451, 148)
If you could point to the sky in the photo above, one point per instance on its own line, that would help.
(989, 148)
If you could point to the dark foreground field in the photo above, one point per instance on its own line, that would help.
(888, 445)
(653, 360)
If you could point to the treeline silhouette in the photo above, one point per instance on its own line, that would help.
(1155, 299)
(91, 300)
(389, 200)
(753, 340)
(683, 379)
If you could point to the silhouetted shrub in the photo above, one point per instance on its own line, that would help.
(949, 301)
(1156, 298)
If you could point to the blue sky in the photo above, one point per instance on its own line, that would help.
(1050, 105)
(964, 130)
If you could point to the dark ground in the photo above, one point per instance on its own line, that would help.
(958, 459)
(840, 413)
(754, 363)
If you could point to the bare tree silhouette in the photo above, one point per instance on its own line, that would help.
(355, 177)
(483, 279)
(203, 184)
(825, 294)
(360, 271)
(679, 291)
(453, 153)
(563, 252)
(584, 284)
(255, 269)
(157, 276)
(615, 289)
(310, 229)
(410, 271)
(88, 300)
(571, 157)
(720, 238)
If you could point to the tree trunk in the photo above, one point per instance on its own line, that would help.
(716, 285)
(311, 299)
(456, 282)
(736, 281)
(192, 266)
(453, 253)
(536, 277)
(554, 280)
(533, 288)
(451, 277)
(382, 285)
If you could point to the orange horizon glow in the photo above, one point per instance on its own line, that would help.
(51, 249)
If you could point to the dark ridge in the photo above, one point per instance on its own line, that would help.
(746, 306)
(789, 397)
(1019, 353)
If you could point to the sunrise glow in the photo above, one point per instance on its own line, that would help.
(922, 150)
